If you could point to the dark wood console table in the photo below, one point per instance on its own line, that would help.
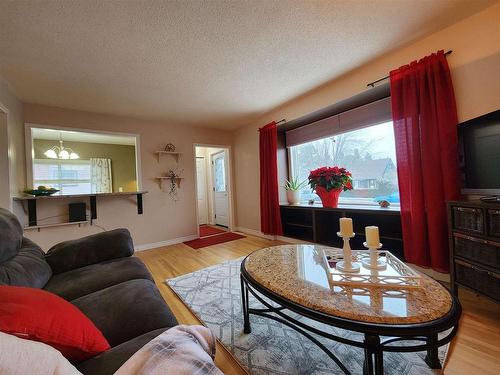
(475, 247)
(318, 224)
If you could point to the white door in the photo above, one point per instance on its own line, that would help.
(201, 184)
(220, 189)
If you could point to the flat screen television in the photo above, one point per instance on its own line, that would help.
(479, 152)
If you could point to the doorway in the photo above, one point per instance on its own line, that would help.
(213, 188)
(201, 190)
(220, 189)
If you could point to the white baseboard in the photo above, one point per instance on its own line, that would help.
(253, 232)
(293, 240)
(173, 241)
(258, 233)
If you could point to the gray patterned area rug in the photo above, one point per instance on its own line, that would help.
(213, 294)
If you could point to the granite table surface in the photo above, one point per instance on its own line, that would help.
(300, 274)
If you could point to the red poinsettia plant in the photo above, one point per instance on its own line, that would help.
(331, 178)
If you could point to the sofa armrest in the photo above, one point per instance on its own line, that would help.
(92, 249)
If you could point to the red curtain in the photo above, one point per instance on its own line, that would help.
(425, 127)
(270, 220)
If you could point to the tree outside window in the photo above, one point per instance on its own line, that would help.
(369, 154)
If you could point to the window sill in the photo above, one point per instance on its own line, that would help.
(345, 207)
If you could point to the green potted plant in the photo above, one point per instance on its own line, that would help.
(293, 187)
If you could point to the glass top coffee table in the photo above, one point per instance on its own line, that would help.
(296, 278)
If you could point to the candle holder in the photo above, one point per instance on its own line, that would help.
(374, 263)
(347, 265)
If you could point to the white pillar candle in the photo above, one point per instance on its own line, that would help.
(346, 227)
(372, 236)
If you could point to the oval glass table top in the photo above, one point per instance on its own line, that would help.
(300, 274)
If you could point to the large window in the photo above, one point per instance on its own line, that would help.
(369, 153)
(69, 176)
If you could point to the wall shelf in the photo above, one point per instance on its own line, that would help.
(32, 203)
(38, 227)
(173, 153)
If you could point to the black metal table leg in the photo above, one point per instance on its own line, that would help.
(374, 356)
(139, 204)
(244, 302)
(93, 208)
(32, 220)
(432, 358)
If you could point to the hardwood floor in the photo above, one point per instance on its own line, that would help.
(475, 350)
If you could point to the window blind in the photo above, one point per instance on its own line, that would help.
(367, 115)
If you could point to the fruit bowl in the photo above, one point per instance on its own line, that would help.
(41, 192)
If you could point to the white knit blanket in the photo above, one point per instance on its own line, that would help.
(181, 350)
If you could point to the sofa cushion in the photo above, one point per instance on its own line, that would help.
(88, 250)
(11, 234)
(126, 310)
(108, 362)
(38, 315)
(85, 280)
(27, 268)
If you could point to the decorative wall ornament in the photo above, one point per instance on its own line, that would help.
(174, 177)
(170, 147)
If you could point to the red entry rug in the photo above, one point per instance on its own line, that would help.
(213, 240)
(206, 231)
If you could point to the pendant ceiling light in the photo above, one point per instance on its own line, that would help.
(61, 152)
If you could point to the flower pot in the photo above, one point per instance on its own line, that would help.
(293, 196)
(330, 198)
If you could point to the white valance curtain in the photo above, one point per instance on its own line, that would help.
(367, 115)
(101, 179)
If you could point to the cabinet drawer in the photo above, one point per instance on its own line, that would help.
(468, 219)
(478, 250)
(494, 223)
(476, 278)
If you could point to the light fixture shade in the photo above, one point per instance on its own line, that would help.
(50, 154)
(63, 154)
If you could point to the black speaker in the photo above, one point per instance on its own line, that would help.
(77, 212)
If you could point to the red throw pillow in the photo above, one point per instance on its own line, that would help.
(38, 315)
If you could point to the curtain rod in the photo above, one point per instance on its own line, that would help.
(372, 84)
(277, 122)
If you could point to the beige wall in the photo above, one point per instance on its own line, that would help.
(474, 63)
(13, 149)
(163, 219)
(122, 159)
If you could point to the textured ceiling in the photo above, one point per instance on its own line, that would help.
(208, 63)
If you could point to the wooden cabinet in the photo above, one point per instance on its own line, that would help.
(475, 247)
(320, 225)
(493, 217)
(468, 219)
